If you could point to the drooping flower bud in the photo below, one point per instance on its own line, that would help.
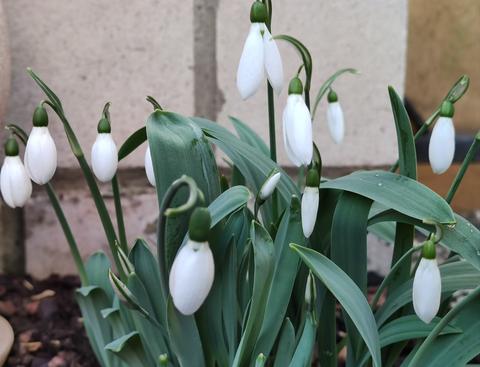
(310, 200)
(297, 126)
(441, 149)
(192, 273)
(260, 54)
(104, 152)
(427, 285)
(40, 152)
(15, 183)
(336, 124)
(149, 167)
(269, 185)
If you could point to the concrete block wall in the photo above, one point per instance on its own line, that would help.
(185, 54)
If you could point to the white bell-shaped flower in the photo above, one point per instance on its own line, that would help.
(104, 157)
(441, 149)
(310, 201)
(260, 54)
(297, 126)
(193, 270)
(149, 167)
(336, 123)
(104, 152)
(15, 183)
(40, 152)
(269, 185)
(427, 285)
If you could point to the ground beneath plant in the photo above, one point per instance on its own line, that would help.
(47, 322)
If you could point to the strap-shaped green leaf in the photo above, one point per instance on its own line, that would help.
(349, 249)
(303, 353)
(408, 328)
(130, 349)
(396, 192)
(264, 262)
(286, 345)
(133, 142)
(249, 136)
(348, 294)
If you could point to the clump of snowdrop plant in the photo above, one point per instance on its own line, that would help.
(228, 283)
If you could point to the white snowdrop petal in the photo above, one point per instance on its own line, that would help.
(269, 186)
(273, 62)
(191, 277)
(287, 125)
(251, 69)
(427, 290)
(149, 167)
(299, 133)
(15, 183)
(104, 157)
(442, 145)
(310, 200)
(336, 123)
(40, 155)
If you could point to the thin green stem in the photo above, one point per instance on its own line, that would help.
(386, 281)
(471, 154)
(441, 325)
(68, 233)
(273, 144)
(119, 213)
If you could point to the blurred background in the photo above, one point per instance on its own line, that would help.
(186, 54)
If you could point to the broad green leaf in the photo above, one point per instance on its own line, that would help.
(91, 300)
(264, 262)
(408, 328)
(97, 267)
(146, 268)
(348, 294)
(184, 338)
(228, 202)
(327, 332)
(254, 167)
(114, 318)
(286, 269)
(249, 136)
(327, 84)
(303, 353)
(455, 276)
(286, 345)
(396, 192)
(132, 143)
(456, 350)
(349, 249)
(129, 348)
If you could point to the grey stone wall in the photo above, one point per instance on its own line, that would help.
(185, 54)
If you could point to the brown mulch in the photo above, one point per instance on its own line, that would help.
(46, 321)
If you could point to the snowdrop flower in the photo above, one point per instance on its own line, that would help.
(192, 272)
(40, 152)
(442, 142)
(149, 167)
(427, 285)
(310, 202)
(269, 185)
(104, 153)
(260, 54)
(335, 120)
(297, 126)
(15, 183)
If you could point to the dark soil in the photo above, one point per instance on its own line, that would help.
(47, 322)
